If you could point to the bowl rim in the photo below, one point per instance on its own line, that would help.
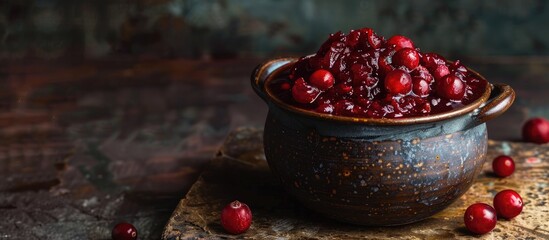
(479, 102)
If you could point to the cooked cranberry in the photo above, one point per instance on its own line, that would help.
(440, 71)
(432, 60)
(353, 38)
(503, 166)
(344, 89)
(363, 75)
(420, 87)
(345, 108)
(322, 79)
(304, 93)
(407, 57)
(458, 67)
(426, 108)
(422, 72)
(536, 130)
(480, 218)
(372, 38)
(124, 231)
(451, 87)
(398, 82)
(400, 42)
(236, 217)
(508, 204)
(285, 86)
(325, 108)
(385, 60)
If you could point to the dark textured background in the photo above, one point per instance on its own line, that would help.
(226, 29)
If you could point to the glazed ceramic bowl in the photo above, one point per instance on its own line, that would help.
(376, 172)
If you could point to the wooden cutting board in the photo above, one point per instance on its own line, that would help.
(240, 172)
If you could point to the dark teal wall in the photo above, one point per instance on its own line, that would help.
(224, 28)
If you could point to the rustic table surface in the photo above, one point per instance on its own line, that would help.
(86, 144)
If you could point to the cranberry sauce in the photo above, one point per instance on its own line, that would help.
(363, 75)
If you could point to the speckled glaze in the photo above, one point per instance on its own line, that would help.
(376, 172)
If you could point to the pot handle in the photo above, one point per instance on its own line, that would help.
(501, 98)
(263, 71)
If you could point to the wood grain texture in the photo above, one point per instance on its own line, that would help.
(240, 172)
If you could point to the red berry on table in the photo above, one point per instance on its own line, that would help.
(451, 87)
(480, 218)
(536, 130)
(398, 82)
(508, 204)
(503, 166)
(236, 217)
(322, 79)
(303, 92)
(400, 42)
(407, 57)
(124, 231)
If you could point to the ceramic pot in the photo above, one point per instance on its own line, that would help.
(375, 172)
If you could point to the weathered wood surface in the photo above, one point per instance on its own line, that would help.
(240, 172)
(84, 145)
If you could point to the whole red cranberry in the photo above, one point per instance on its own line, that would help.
(400, 42)
(236, 217)
(303, 92)
(480, 218)
(440, 71)
(420, 87)
(322, 79)
(536, 130)
(451, 87)
(124, 231)
(508, 204)
(398, 82)
(407, 57)
(503, 166)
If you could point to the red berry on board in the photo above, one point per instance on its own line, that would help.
(451, 88)
(236, 217)
(503, 166)
(400, 42)
(536, 130)
(303, 92)
(480, 218)
(407, 57)
(508, 204)
(322, 79)
(124, 231)
(398, 82)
